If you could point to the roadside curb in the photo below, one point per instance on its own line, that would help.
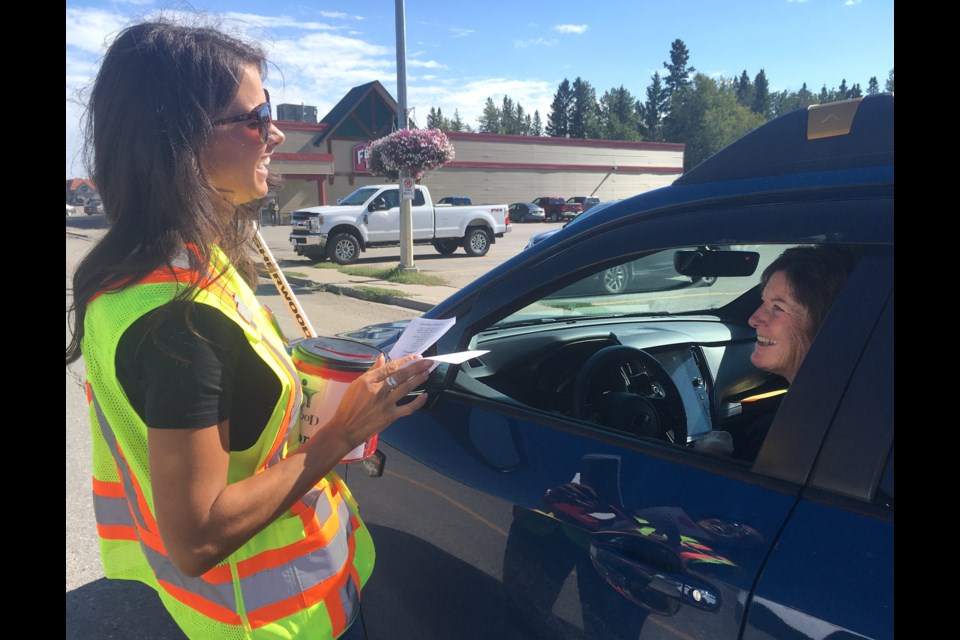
(349, 290)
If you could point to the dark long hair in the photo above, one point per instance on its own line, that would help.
(149, 114)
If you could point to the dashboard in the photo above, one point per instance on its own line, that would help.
(689, 369)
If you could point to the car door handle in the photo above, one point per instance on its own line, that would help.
(649, 573)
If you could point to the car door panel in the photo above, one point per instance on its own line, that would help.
(549, 527)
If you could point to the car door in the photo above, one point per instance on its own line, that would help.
(495, 520)
(831, 573)
(383, 225)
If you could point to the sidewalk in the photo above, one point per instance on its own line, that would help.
(410, 296)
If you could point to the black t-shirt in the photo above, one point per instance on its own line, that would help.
(175, 379)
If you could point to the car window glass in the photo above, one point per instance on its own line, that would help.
(391, 198)
(418, 199)
(645, 284)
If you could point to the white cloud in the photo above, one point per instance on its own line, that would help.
(797, 1)
(460, 33)
(851, 3)
(536, 42)
(426, 64)
(570, 28)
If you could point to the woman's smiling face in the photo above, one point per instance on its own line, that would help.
(235, 159)
(782, 326)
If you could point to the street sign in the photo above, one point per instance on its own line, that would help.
(406, 188)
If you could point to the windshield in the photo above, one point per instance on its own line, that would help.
(649, 285)
(359, 196)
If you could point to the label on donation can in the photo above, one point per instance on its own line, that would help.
(326, 367)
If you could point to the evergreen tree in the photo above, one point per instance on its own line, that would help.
(855, 91)
(824, 95)
(558, 120)
(536, 126)
(679, 72)
(805, 97)
(761, 95)
(522, 121)
(436, 120)
(457, 124)
(889, 84)
(843, 93)
(744, 90)
(584, 121)
(489, 121)
(618, 115)
(652, 111)
(508, 116)
(873, 87)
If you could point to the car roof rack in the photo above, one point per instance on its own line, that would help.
(837, 135)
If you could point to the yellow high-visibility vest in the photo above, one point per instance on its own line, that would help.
(298, 578)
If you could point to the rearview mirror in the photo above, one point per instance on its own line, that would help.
(705, 263)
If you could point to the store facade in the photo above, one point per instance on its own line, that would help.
(323, 162)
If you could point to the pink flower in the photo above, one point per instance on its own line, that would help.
(413, 150)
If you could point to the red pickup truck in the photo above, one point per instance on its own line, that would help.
(557, 208)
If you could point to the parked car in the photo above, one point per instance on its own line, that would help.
(526, 212)
(587, 202)
(93, 207)
(543, 235)
(557, 208)
(552, 487)
(458, 201)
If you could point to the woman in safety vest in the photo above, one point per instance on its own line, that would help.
(199, 490)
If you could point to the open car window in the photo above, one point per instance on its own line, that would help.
(653, 284)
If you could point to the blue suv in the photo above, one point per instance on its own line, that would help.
(561, 485)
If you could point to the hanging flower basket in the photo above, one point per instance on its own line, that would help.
(414, 150)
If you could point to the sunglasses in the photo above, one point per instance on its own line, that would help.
(260, 113)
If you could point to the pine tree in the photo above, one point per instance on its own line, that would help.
(618, 115)
(522, 121)
(761, 95)
(508, 116)
(679, 72)
(558, 120)
(855, 91)
(584, 122)
(824, 95)
(843, 93)
(536, 126)
(805, 97)
(456, 124)
(889, 84)
(652, 111)
(489, 121)
(744, 90)
(873, 87)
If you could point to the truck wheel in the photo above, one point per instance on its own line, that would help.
(554, 217)
(477, 242)
(343, 248)
(446, 246)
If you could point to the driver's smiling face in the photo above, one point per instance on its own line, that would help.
(781, 323)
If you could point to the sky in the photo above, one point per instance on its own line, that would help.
(459, 54)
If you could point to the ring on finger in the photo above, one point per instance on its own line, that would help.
(391, 382)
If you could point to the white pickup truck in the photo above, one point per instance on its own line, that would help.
(370, 217)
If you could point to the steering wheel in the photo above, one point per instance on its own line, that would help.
(627, 389)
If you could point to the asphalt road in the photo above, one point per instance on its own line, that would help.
(97, 608)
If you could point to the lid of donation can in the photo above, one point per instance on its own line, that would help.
(336, 353)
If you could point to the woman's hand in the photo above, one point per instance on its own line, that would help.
(202, 519)
(369, 403)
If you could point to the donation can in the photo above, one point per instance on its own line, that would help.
(326, 367)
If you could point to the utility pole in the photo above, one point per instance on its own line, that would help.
(406, 213)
